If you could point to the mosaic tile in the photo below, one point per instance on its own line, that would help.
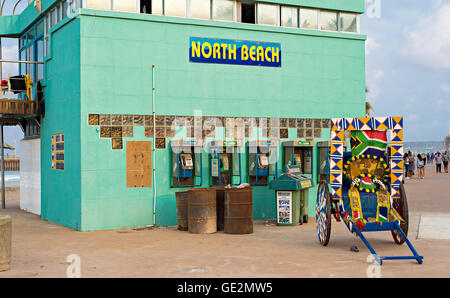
(105, 119)
(160, 143)
(127, 120)
(148, 131)
(94, 119)
(116, 120)
(284, 133)
(138, 120)
(117, 143)
(105, 131)
(116, 131)
(127, 131)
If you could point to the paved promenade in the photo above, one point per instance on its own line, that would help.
(40, 248)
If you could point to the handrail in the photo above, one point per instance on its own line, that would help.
(20, 61)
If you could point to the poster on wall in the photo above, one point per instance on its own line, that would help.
(284, 207)
(58, 160)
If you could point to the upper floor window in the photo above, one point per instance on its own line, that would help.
(175, 8)
(201, 9)
(98, 4)
(224, 10)
(328, 21)
(349, 22)
(267, 14)
(125, 5)
(289, 16)
(309, 18)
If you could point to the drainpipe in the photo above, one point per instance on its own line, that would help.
(153, 145)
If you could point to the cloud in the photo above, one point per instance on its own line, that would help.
(371, 45)
(9, 53)
(445, 87)
(429, 43)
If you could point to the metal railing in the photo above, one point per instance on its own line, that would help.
(14, 85)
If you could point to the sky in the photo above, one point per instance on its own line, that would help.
(407, 64)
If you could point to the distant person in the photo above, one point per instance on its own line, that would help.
(445, 161)
(432, 157)
(424, 158)
(438, 159)
(411, 164)
(420, 166)
(406, 162)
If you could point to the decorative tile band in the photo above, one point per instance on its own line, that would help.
(121, 126)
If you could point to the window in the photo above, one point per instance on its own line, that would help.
(308, 18)
(223, 10)
(289, 16)
(99, 4)
(65, 8)
(30, 35)
(328, 21)
(175, 8)
(40, 58)
(53, 18)
(201, 9)
(125, 5)
(58, 159)
(248, 12)
(157, 7)
(267, 14)
(40, 28)
(349, 22)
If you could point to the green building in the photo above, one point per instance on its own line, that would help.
(126, 84)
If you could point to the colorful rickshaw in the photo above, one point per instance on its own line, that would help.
(364, 187)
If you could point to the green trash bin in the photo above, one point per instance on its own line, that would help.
(291, 194)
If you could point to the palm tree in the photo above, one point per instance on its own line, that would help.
(369, 106)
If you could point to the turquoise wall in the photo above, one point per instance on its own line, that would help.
(322, 76)
(61, 190)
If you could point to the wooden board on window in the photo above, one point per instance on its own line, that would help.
(139, 164)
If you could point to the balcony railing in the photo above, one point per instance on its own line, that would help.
(19, 93)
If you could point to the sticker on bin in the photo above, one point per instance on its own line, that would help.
(284, 207)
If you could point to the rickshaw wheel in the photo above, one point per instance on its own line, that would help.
(401, 206)
(323, 213)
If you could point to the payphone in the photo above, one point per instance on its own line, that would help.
(262, 161)
(186, 163)
(225, 161)
(323, 153)
(299, 153)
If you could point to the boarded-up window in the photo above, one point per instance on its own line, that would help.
(139, 164)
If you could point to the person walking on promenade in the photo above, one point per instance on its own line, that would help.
(411, 164)
(420, 166)
(432, 157)
(445, 161)
(406, 161)
(438, 159)
(424, 158)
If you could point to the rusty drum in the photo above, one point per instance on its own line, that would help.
(182, 210)
(202, 213)
(238, 214)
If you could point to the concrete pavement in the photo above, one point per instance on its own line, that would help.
(41, 248)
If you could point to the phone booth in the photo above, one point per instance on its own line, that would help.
(262, 161)
(299, 153)
(323, 162)
(225, 161)
(186, 163)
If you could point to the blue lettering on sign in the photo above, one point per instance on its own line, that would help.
(238, 52)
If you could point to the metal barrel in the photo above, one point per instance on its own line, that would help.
(182, 210)
(220, 198)
(238, 215)
(202, 213)
(5, 242)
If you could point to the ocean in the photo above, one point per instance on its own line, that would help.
(12, 178)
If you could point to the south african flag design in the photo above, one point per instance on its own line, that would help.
(368, 142)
